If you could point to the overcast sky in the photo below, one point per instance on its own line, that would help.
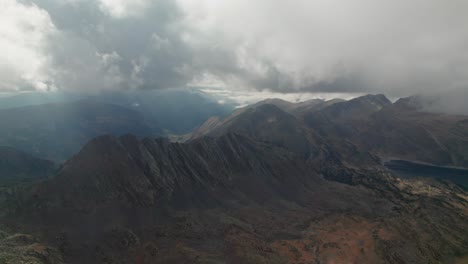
(396, 47)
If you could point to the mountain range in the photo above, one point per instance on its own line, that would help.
(56, 125)
(17, 166)
(274, 182)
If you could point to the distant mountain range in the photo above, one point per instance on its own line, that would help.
(56, 131)
(372, 123)
(275, 182)
(19, 167)
(56, 125)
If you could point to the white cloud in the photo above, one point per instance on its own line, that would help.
(24, 30)
(123, 8)
(108, 66)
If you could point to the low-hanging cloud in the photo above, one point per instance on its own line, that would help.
(396, 47)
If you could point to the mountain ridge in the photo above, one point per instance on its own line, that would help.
(374, 124)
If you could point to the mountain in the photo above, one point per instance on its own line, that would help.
(360, 131)
(149, 171)
(37, 98)
(401, 130)
(403, 133)
(292, 107)
(292, 129)
(343, 119)
(266, 122)
(357, 108)
(299, 107)
(233, 200)
(56, 131)
(286, 106)
(175, 111)
(18, 167)
(262, 186)
(56, 125)
(449, 102)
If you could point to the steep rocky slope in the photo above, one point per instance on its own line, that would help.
(231, 199)
(205, 171)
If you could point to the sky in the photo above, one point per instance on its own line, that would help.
(277, 48)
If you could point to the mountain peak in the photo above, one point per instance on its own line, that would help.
(273, 101)
(379, 99)
(357, 108)
(269, 108)
(265, 122)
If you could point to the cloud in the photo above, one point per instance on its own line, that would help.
(241, 98)
(453, 102)
(123, 8)
(337, 46)
(108, 44)
(397, 46)
(24, 30)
